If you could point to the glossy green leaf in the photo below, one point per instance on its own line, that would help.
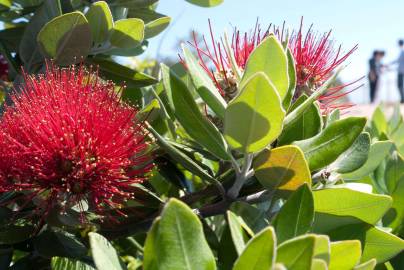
(121, 74)
(205, 3)
(283, 168)
(66, 38)
(345, 255)
(270, 58)
(395, 217)
(156, 26)
(254, 118)
(29, 51)
(259, 254)
(296, 215)
(63, 244)
(353, 158)
(204, 85)
(395, 120)
(297, 253)
(101, 22)
(376, 243)
(379, 122)
(292, 80)
(394, 171)
(177, 241)
(377, 153)
(367, 207)
(307, 125)
(60, 263)
(191, 118)
(103, 253)
(127, 33)
(322, 248)
(324, 148)
(238, 231)
(369, 265)
(319, 265)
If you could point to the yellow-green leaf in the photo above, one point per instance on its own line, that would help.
(283, 168)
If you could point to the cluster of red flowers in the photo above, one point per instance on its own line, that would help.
(316, 59)
(68, 138)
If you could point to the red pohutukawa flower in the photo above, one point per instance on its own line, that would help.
(68, 138)
(315, 58)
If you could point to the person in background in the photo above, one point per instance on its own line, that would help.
(400, 70)
(375, 66)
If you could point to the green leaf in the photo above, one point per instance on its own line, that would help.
(367, 207)
(377, 153)
(353, 158)
(101, 22)
(259, 254)
(296, 215)
(135, 3)
(270, 58)
(394, 171)
(395, 217)
(319, 265)
(190, 117)
(59, 263)
(283, 168)
(103, 253)
(297, 253)
(64, 244)
(336, 138)
(332, 117)
(345, 255)
(66, 38)
(177, 241)
(127, 33)
(204, 85)
(122, 74)
(307, 125)
(376, 243)
(14, 234)
(322, 248)
(254, 118)
(205, 3)
(5, 4)
(156, 26)
(379, 122)
(254, 218)
(292, 80)
(29, 51)
(369, 265)
(238, 231)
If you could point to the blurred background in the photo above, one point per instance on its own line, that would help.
(374, 25)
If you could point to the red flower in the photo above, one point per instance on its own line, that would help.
(3, 68)
(242, 45)
(315, 58)
(68, 139)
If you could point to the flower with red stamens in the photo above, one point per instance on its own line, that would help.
(3, 68)
(216, 55)
(316, 59)
(68, 140)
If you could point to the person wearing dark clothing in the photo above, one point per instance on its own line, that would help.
(400, 70)
(374, 73)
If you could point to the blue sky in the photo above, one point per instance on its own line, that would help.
(371, 24)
